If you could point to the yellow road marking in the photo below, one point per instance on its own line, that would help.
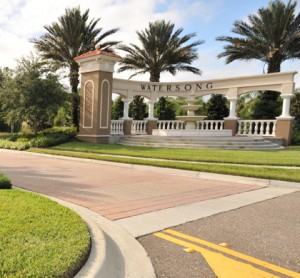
(224, 250)
(225, 267)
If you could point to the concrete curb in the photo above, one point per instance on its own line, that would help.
(114, 253)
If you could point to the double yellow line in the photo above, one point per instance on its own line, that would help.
(213, 257)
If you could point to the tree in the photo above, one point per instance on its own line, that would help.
(138, 108)
(33, 94)
(10, 111)
(117, 109)
(165, 109)
(272, 36)
(295, 108)
(68, 38)
(217, 108)
(163, 49)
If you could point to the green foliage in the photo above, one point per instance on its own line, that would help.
(163, 49)
(290, 157)
(68, 38)
(31, 93)
(138, 108)
(164, 109)
(296, 136)
(5, 182)
(46, 138)
(64, 113)
(117, 108)
(216, 108)
(295, 108)
(40, 238)
(271, 36)
(267, 105)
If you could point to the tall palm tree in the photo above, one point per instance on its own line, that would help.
(272, 36)
(72, 36)
(162, 50)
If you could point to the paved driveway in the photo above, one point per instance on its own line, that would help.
(115, 191)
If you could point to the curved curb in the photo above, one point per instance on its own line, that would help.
(114, 252)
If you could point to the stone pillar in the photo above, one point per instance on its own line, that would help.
(284, 123)
(151, 109)
(284, 128)
(231, 124)
(127, 127)
(126, 108)
(232, 110)
(96, 69)
(151, 124)
(286, 106)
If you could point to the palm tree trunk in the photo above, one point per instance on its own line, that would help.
(274, 66)
(74, 81)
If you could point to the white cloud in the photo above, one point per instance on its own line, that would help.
(21, 20)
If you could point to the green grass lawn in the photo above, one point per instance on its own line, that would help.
(289, 157)
(93, 151)
(39, 238)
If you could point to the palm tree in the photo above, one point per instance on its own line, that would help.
(272, 36)
(72, 36)
(162, 50)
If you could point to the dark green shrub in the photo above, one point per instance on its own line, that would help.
(5, 182)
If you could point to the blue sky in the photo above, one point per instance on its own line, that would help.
(21, 20)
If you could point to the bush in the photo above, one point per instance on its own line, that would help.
(296, 137)
(5, 182)
(44, 139)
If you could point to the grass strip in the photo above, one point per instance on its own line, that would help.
(289, 157)
(257, 172)
(40, 238)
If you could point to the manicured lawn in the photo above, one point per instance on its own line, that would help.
(239, 170)
(39, 238)
(289, 157)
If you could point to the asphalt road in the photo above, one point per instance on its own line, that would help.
(269, 231)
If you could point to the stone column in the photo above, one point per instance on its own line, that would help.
(126, 108)
(232, 110)
(284, 123)
(151, 109)
(96, 69)
(286, 106)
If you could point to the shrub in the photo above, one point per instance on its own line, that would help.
(46, 138)
(5, 182)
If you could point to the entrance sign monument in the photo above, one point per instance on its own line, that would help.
(98, 85)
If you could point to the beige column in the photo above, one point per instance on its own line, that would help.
(96, 69)
(126, 108)
(284, 123)
(231, 122)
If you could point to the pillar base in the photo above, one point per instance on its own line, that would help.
(231, 124)
(127, 127)
(284, 129)
(96, 139)
(151, 124)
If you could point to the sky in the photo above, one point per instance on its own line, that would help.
(22, 20)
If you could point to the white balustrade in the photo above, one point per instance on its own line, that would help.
(257, 127)
(116, 127)
(169, 125)
(138, 127)
(210, 125)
